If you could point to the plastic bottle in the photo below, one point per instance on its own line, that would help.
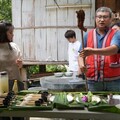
(15, 87)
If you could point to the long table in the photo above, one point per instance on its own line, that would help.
(68, 114)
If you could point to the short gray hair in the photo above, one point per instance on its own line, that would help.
(104, 9)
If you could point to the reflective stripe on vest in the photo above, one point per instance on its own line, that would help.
(95, 56)
(101, 58)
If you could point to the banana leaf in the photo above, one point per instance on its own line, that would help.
(61, 102)
(24, 108)
(104, 108)
(19, 98)
(24, 92)
(3, 109)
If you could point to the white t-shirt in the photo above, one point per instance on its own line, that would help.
(73, 54)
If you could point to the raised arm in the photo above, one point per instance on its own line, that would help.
(111, 50)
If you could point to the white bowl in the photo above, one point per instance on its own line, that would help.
(68, 74)
(59, 74)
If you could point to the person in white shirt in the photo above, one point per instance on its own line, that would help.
(73, 53)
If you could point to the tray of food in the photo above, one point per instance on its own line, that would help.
(65, 100)
(44, 100)
(77, 100)
(99, 101)
(31, 101)
(109, 102)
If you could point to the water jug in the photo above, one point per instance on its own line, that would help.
(4, 85)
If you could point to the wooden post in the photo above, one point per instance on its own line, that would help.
(23, 73)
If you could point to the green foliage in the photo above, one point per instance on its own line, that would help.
(32, 70)
(55, 68)
(49, 68)
(5, 10)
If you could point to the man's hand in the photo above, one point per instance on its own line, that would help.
(107, 51)
(86, 52)
(19, 63)
(83, 69)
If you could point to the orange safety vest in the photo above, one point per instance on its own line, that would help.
(108, 67)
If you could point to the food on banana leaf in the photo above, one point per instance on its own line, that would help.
(114, 99)
(95, 98)
(88, 99)
(33, 96)
(23, 103)
(51, 98)
(81, 98)
(29, 95)
(118, 106)
(84, 99)
(77, 99)
(39, 102)
(3, 95)
(30, 103)
(70, 97)
(62, 96)
(1, 101)
(45, 93)
(8, 98)
(28, 98)
(89, 95)
(44, 98)
(33, 100)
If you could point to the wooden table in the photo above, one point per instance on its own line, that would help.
(68, 114)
